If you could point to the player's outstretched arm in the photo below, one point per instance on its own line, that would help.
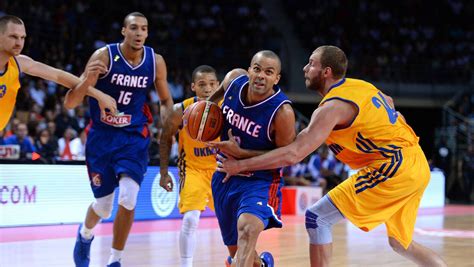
(322, 122)
(282, 128)
(229, 77)
(170, 127)
(38, 69)
(161, 86)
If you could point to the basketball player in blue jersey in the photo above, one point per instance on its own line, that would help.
(259, 117)
(117, 144)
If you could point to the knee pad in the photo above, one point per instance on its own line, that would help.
(128, 193)
(319, 220)
(103, 206)
(190, 221)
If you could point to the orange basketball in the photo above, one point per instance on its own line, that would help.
(203, 121)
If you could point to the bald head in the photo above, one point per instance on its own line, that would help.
(268, 54)
(334, 58)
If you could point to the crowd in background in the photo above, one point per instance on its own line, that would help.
(414, 41)
(388, 41)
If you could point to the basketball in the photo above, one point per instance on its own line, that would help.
(203, 121)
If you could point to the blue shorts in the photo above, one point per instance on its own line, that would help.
(110, 153)
(259, 197)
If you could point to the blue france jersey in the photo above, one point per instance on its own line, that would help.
(129, 86)
(251, 124)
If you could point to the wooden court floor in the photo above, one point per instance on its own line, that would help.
(449, 231)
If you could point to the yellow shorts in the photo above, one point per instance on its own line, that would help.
(387, 192)
(195, 190)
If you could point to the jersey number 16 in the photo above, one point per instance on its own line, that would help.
(125, 97)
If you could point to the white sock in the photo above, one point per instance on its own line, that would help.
(187, 237)
(86, 233)
(115, 255)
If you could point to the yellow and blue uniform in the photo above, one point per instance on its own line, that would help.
(392, 169)
(9, 86)
(197, 163)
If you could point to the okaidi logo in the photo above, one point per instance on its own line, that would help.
(17, 194)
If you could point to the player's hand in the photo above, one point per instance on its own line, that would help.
(229, 147)
(228, 165)
(93, 70)
(166, 182)
(107, 104)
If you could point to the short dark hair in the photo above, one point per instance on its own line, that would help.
(202, 69)
(133, 14)
(335, 58)
(269, 54)
(4, 20)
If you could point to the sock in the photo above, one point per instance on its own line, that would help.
(115, 255)
(187, 237)
(186, 262)
(86, 233)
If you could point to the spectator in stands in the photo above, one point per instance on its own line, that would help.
(21, 138)
(321, 166)
(64, 121)
(64, 144)
(12, 128)
(24, 102)
(38, 91)
(341, 169)
(81, 118)
(46, 147)
(297, 174)
(78, 146)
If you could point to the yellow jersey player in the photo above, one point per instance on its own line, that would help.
(196, 163)
(12, 64)
(362, 128)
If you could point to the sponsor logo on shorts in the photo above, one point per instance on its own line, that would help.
(96, 179)
(163, 202)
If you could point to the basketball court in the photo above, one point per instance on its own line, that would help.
(448, 230)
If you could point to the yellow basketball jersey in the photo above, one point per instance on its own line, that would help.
(9, 85)
(192, 153)
(376, 135)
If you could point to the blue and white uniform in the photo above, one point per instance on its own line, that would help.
(259, 192)
(119, 142)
